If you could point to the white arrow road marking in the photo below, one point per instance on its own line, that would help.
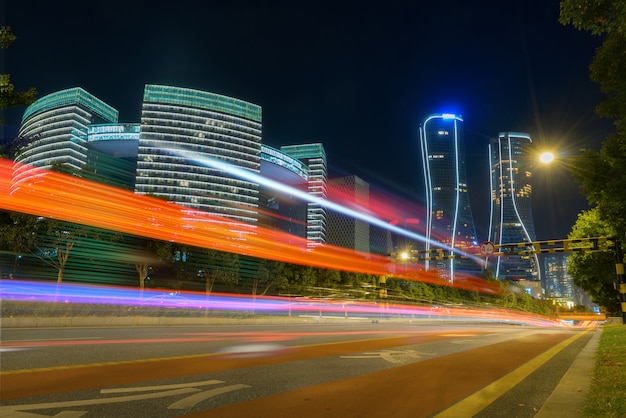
(162, 387)
(392, 356)
(191, 401)
(14, 411)
(84, 402)
(63, 414)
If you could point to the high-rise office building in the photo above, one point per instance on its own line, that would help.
(449, 218)
(75, 129)
(557, 282)
(511, 206)
(54, 131)
(314, 156)
(343, 230)
(213, 127)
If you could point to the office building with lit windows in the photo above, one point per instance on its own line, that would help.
(511, 205)
(314, 157)
(77, 130)
(54, 131)
(449, 218)
(280, 209)
(211, 126)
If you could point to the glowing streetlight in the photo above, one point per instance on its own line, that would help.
(546, 157)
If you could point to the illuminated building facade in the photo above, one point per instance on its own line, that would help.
(112, 153)
(558, 283)
(54, 131)
(283, 211)
(314, 156)
(511, 205)
(449, 218)
(212, 126)
(346, 231)
(74, 128)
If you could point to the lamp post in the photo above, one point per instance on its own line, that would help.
(547, 158)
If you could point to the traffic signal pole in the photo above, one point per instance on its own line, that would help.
(619, 268)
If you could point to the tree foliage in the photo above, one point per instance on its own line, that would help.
(595, 16)
(8, 96)
(219, 266)
(602, 175)
(594, 271)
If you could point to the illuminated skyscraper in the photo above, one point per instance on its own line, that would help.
(54, 130)
(511, 208)
(449, 216)
(314, 156)
(211, 125)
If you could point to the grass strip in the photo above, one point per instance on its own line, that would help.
(607, 398)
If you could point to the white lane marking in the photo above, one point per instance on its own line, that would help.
(63, 414)
(191, 401)
(84, 402)
(16, 411)
(162, 387)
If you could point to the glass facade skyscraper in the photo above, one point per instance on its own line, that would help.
(314, 156)
(448, 213)
(211, 126)
(511, 205)
(54, 129)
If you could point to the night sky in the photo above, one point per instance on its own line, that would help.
(357, 76)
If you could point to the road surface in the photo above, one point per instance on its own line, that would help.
(299, 370)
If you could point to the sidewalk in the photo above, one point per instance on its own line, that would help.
(568, 398)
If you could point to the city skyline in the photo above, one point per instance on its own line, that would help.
(360, 87)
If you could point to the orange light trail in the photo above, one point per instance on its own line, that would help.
(73, 199)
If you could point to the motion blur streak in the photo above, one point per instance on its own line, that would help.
(272, 184)
(107, 295)
(73, 199)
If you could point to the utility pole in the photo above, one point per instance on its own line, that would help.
(619, 268)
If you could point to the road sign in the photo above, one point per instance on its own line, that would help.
(487, 248)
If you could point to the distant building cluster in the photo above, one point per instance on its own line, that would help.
(178, 149)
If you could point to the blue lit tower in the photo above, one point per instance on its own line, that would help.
(54, 129)
(449, 216)
(511, 208)
(212, 126)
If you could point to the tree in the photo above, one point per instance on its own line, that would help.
(49, 240)
(219, 266)
(269, 273)
(149, 251)
(602, 175)
(8, 96)
(594, 271)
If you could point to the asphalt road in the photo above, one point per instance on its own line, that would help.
(297, 370)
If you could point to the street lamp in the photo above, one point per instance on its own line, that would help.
(546, 157)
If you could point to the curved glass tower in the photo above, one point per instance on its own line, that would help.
(511, 205)
(54, 129)
(448, 216)
(212, 126)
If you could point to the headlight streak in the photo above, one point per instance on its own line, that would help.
(106, 296)
(272, 184)
(77, 200)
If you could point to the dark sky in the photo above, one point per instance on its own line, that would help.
(357, 76)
